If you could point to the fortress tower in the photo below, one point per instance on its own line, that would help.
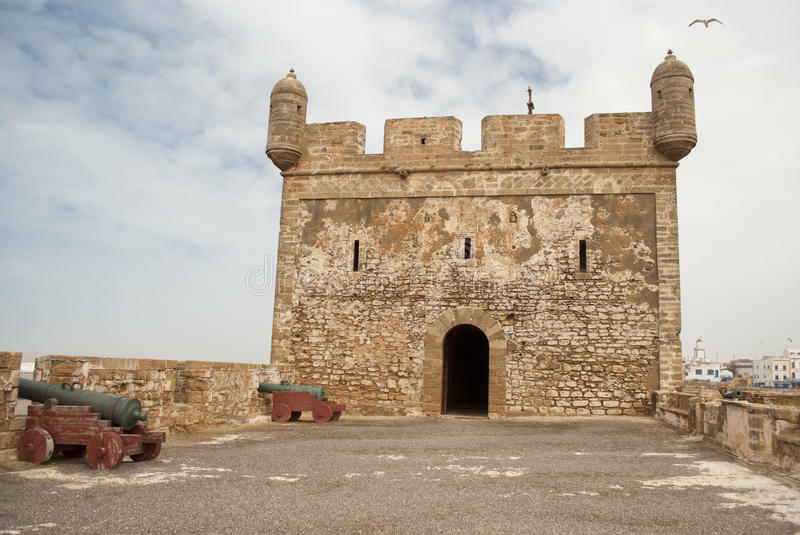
(525, 277)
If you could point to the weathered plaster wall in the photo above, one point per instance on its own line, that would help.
(360, 333)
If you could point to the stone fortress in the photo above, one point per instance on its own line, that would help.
(522, 278)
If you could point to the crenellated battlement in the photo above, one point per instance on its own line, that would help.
(347, 137)
(522, 133)
(664, 135)
(621, 137)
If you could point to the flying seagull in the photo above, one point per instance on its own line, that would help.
(705, 21)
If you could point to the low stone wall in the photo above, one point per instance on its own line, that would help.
(177, 395)
(764, 396)
(755, 432)
(675, 408)
(11, 426)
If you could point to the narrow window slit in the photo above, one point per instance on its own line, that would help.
(582, 265)
(423, 140)
(355, 256)
(467, 248)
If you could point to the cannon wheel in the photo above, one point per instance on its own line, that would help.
(295, 416)
(281, 412)
(35, 446)
(74, 453)
(322, 413)
(150, 450)
(105, 450)
(336, 415)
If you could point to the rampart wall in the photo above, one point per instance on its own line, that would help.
(177, 395)
(754, 432)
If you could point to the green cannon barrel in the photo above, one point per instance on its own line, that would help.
(731, 394)
(123, 412)
(284, 386)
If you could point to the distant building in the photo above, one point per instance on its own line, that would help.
(773, 372)
(741, 368)
(794, 355)
(699, 351)
(699, 369)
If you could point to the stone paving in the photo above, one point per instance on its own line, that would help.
(379, 475)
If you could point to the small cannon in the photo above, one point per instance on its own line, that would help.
(74, 421)
(731, 394)
(289, 402)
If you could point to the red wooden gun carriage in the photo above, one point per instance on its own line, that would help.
(289, 402)
(75, 422)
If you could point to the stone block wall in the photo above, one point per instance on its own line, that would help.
(177, 395)
(522, 133)
(11, 426)
(361, 334)
(322, 139)
(754, 432)
(423, 135)
(626, 136)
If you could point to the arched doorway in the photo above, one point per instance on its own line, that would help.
(465, 371)
(433, 381)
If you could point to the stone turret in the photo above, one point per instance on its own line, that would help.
(287, 120)
(672, 92)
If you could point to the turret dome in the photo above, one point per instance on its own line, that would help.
(671, 66)
(290, 84)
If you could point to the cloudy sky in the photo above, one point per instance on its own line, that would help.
(135, 196)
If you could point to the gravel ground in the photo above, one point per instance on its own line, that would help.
(416, 476)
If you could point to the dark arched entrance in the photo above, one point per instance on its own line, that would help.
(465, 371)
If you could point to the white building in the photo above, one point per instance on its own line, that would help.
(699, 351)
(794, 355)
(774, 372)
(699, 369)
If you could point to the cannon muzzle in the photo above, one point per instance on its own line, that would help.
(731, 394)
(123, 412)
(284, 386)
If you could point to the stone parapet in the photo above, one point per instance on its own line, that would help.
(422, 136)
(755, 432)
(177, 395)
(334, 139)
(522, 134)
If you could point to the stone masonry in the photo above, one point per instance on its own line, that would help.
(525, 277)
(177, 395)
(11, 426)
